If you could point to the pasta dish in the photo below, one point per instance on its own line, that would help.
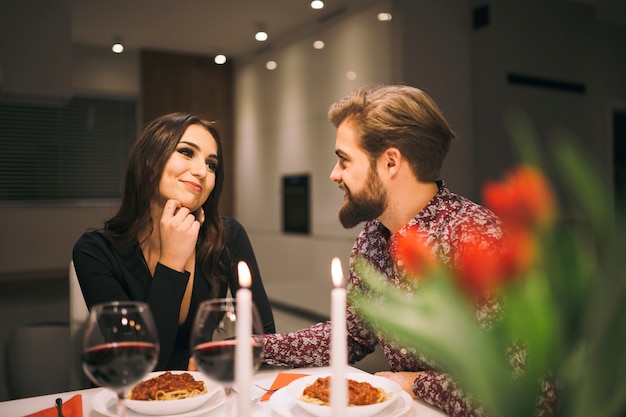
(359, 393)
(167, 386)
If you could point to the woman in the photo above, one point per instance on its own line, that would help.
(167, 245)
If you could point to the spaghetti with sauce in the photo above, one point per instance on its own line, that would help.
(359, 393)
(167, 386)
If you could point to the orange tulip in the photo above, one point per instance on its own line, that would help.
(413, 255)
(524, 197)
(485, 265)
(479, 266)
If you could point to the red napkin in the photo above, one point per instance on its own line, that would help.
(71, 408)
(282, 380)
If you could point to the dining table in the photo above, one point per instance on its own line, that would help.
(261, 379)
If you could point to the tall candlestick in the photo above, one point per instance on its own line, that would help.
(243, 349)
(339, 343)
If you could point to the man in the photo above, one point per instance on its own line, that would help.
(391, 142)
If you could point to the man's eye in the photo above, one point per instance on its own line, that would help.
(211, 165)
(186, 152)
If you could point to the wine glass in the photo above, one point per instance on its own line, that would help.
(120, 346)
(213, 342)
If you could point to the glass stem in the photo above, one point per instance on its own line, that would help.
(229, 402)
(121, 405)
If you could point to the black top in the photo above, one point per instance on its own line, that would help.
(111, 271)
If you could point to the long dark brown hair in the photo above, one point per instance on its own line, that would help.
(145, 166)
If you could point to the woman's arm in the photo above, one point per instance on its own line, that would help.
(241, 250)
(108, 272)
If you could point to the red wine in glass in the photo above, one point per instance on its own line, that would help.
(117, 365)
(120, 346)
(213, 343)
(217, 359)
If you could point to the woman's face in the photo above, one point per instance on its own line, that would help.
(189, 173)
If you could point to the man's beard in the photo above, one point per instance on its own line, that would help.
(368, 204)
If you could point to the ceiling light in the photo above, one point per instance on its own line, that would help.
(271, 65)
(261, 33)
(318, 44)
(117, 47)
(317, 4)
(384, 17)
(220, 59)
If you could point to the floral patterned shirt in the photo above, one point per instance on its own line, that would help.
(442, 223)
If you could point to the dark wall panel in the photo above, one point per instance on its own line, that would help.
(172, 82)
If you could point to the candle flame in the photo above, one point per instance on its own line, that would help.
(336, 272)
(244, 274)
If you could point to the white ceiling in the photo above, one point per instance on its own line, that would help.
(210, 27)
(200, 26)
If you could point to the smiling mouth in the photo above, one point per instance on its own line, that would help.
(193, 186)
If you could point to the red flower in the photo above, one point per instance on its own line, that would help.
(478, 267)
(413, 254)
(484, 265)
(524, 198)
(519, 251)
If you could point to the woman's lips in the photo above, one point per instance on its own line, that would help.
(193, 186)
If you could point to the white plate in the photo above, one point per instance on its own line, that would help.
(178, 406)
(296, 388)
(105, 402)
(282, 404)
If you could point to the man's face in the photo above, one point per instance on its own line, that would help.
(365, 197)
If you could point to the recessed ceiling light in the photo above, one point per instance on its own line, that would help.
(220, 59)
(271, 65)
(317, 4)
(318, 44)
(384, 17)
(117, 47)
(261, 36)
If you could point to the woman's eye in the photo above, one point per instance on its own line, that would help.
(211, 165)
(186, 152)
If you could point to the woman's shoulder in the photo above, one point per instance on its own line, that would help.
(232, 226)
(234, 230)
(91, 243)
(98, 241)
(91, 237)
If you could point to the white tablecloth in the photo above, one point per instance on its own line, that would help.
(22, 407)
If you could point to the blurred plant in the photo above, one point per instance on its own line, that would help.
(562, 285)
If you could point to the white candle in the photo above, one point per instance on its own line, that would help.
(339, 343)
(243, 350)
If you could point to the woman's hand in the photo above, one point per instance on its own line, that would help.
(192, 365)
(404, 379)
(179, 234)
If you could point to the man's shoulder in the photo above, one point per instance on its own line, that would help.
(458, 203)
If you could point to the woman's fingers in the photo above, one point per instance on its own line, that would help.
(171, 207)
(179, 234)
(177, 216)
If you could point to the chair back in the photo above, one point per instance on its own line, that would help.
(78, 316)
